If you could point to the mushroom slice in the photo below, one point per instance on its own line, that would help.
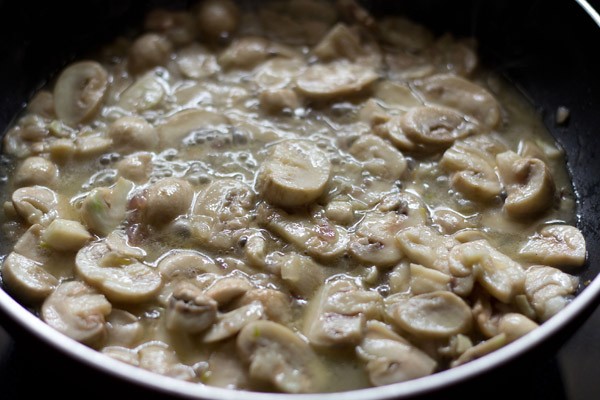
(435, 126)
(228, 288)
(423, 245)
(378, 157)
(295, 174)
(374, 241)
(515, 325)
(179, 265)
(465, 96)
(318, 237)
(481, 349)
(144, 94)
(36, 204)
(438, 314)
(77, 311)
(229, 324)
(278, 356)
(166, 199)
(473, 174)
(277, 305)
(157, 357)
(390, 358)
(557, 246)
(196, 62)
(335, 80)
(245, 53)
(124, 328)
(528, 183)
(189, 310)
(405, 34)
(104, 209)
(549, 290)
(338, 312)
(425, 280)
(301, 274)
(121, 278)
(177, 127)
(26, 278)
(502, 277)
(79, 91)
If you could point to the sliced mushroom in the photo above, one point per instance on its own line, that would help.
(317, 236)
(121, 278)
(549, 290)
(378, 157)
(79, 91)
(275, 101)
(423, 245)
(229, 324)
(144, 94)
(166, 199)
(26, 278)
(124, 328)
(436, 127)
(301, 274)
(135, 167)
(350, 43)
(132, 134)
(104, 209)
(245, 53)
(335, 80)
(529, 185)
(36, 171)
(157, 357)
(148, 51)
(179, 265)
(196, 62)
(390, 358)
(277, 305)
(458, 93)
(226, 371)
(227, 289)
(515, 325)
(426, 280)
(457, 57)
(338, 312)
(449, 221)
(66, 235)
(502, 277)
(480, 350)
(439, 314)
(405, 34)
(374, 241)
(36, 204)
(177, 127)
(278, 356)
(296, 173)
(556, 245)
(190, 310)
(77, 311)
(218, 19)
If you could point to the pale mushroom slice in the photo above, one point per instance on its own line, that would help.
(515, 326)
(245, 53)
(26, 278)
(472, 172)
(350, 43)
(549, 290)
(438, 314)
(390, 358)
(79, 91)
(165, 200)
(501, 276)
(435, 127)
(295, 173)
(378, 157)
(230, 323)
(228, 288)
(425, 246)
(529, 185)
(146, 93)
(317, 236)
(120, 277)
(36, 204)
(104, 208)
(337, 314)
(556, 246)
(279, 356)
(36, 171)
(77, 311)
(277, 304)
(124, 328)
(374, 241)
(196, 62)
(173, 130)
(178, 265)
(426, 280)
(158, 357)
(226, 371)
(301, 274)
(463, 95)
(335, 80)
(190, 310)
(481, 349)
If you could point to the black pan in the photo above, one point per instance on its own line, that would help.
(548, 48)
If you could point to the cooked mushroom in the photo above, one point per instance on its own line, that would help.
(549, 290)
(36, 204)
(295, 174)
(120, 277)
(26, 278)
(104, 209)
(230, 323)
(480, 350)
(338, 312)
(36, 171)
(426, 280)
(132, 134)
(172, 130)
(218, 19)
(180, 265)
(405, 34)
(124, 328)
(148, 51)
(196, 62)
(279, 356)
(458, 93)
(390, 358)
(79, 91)
(515, 325)
(157, 357)
(373, 241)
(144, 94)
(300, 273)
(178, 26)
(529, 185)
(423, 245)
(166, 199)
(245, 53)
(66, 235)
(335, 80)
(190, 310)
(277, 304)
(135, 167)
(77, 311)
(227, 289)
(556, 245)
(435, 127)
(226, 371)
(275, 101)
(378, 157)
(439, 314)
(502, 277)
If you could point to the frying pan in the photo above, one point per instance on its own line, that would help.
(547, 48)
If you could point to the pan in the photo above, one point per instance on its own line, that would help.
(545, 48)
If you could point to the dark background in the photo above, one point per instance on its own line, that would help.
(28, 369)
